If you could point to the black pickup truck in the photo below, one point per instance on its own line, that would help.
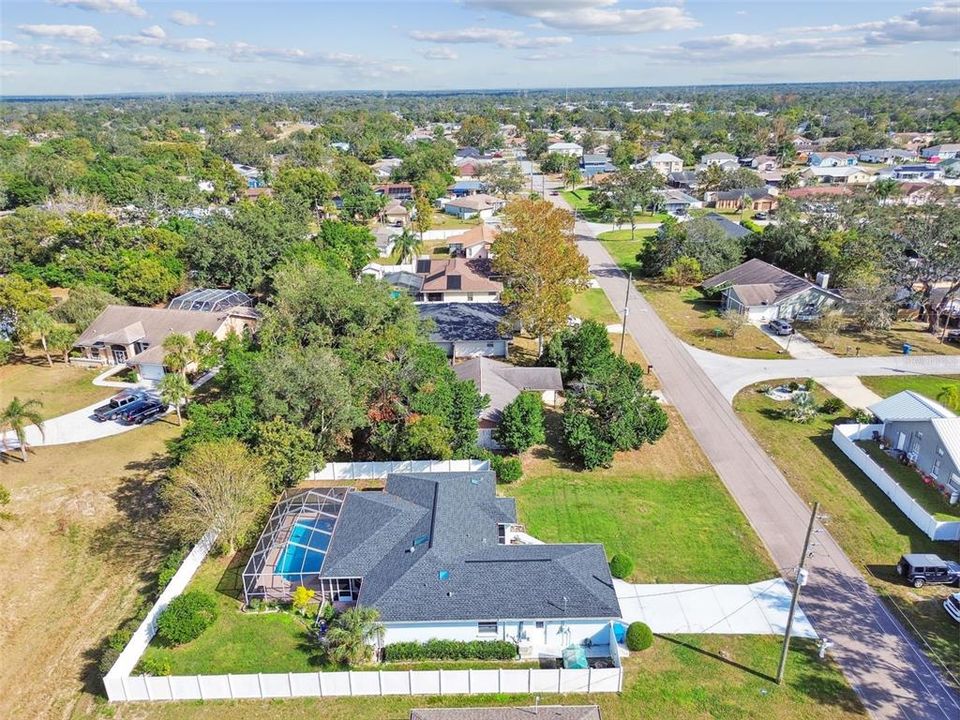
(920, 569)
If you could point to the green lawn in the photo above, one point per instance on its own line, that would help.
(593, 304)
(624, 250)
(888, 342)
(927, 385)
(61, 388)
(929, 498)
(580, 201)
(871, 529)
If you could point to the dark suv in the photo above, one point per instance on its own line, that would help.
(920, 569)
(120, 403)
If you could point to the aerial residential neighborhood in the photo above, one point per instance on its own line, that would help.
(480, 359)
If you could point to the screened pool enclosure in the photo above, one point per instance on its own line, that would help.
(210, 300)
(293, 545)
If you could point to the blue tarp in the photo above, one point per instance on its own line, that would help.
(575, 658)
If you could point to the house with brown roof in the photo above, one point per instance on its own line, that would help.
(474, 243)
(456, 280)
(133, 336)
(395, 214)
(764, 292)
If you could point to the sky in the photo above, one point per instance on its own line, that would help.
(82, 47)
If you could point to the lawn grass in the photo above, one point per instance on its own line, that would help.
(593, 304)
(929, 498)
(61, 388)
(870, 528)
(697, 322)
(882, 342)
(580, 201)
(927, 385)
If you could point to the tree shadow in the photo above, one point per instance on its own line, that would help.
(715, 656)
(552, 449)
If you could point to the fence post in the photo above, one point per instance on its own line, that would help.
(559, 679)
(499, 680)
(200, 686)
(350, 682)
(320, 681)
(170, 686)
(469, 681)
(230, 685)
(380, 681)
(260, 684)
(440, 680)
(589, 679)
(290, 684)
(409, 682)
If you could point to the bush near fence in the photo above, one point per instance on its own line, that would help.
(451, 650)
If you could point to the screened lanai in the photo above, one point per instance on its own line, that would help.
(293, 544)
(210, 300)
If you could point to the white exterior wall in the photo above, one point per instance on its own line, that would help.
(497, 348)
(471, 297)
(556, 634)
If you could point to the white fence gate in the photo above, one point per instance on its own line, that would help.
(844, 437)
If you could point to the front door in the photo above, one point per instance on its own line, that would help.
(901, 441)
(119, 355)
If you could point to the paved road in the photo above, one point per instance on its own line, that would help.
(880, 660)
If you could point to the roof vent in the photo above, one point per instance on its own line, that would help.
(443, 575)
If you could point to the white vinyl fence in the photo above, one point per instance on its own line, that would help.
(844, 437)
(122, 686)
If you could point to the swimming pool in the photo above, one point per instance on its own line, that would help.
(305, 549)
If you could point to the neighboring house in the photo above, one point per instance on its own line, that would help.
(950, 167)
(943, 152)
(383, 169)
(665, 163)
(682, 179)
(386, 239)
(717, 158)
(815, 192)
(926, 431)
(476, 242)
(592, 165)
(772, 178)
(468, 169)
(756, 199)
(917, 172)
(395, 191)
(887, 156)
(255, 193)
(765, 292)
(566, 148)
(764, 163)
(480, 205)
(457, 280)
(538, 712)
(732, 229)
(503, 383)
(831, 159)
(126, 335)
(468, 329)
(838, 175)
(251, 174)
(430, 553)
(471, 153)
(463, 188)
(916, 193)
(396, 214)
(677, 203)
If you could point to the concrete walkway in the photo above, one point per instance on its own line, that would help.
(761, 608)
(879, 658)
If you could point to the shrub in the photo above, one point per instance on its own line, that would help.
(683, 271)
(157, 666)
(794, 385)
(734, 322)
(864, 417)
(451, 650)
(621, 566)
(639, 636)
(507, 469)
(809, 384)
(522, 423)
(832, 406)
(301, 598)
(186, 617)
(171, 563)
(107, 659)
(6, 350)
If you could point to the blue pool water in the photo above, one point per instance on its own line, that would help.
(305, 548)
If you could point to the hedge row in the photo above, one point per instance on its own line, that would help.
(451, 650)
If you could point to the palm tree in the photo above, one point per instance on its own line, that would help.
(175, 390)
(206, 349)
(39, 322)
(884, 189)
(950, 395)
(179, 352)
(789, 180)
(572, 177)
(17, 415)
(408, 245)
(351, 634)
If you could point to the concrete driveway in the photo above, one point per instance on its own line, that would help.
(756, 609)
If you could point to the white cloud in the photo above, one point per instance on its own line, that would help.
(82, 34)
(187, 19)
(495, 36)
(937, 22)
(742, 13)
(8, 47)
(348, 62)
(166, 43)
(740, 46)
(154, 31)
(127, 7)
(440, 53)
(595, 17)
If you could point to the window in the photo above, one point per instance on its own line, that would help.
(935, 470)
(539, 624)
(421, 539)
(487, 628)
(469, 297)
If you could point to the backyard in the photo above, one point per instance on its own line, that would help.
(870, 528)
(881, 342)
(697, 321)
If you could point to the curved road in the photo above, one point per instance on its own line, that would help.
(880, 660)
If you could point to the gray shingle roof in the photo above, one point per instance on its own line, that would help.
(728, 226)
(399, 540)
(503, 382)
(760, 281)
(464, 322)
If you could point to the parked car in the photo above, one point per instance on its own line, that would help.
(760, 215)
(920, 569)
(952, 606)
(133, 415)
(953, 336)
(118, 404)
(151, 414)
(780, 327)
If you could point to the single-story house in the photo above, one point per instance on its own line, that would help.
(594, 160)
(950, 167)
(926, 431)
(840, 175)
(765, 292)
(943, 152)
(255, 193)
(395, 214)
(764, 163)
(479, 205)
(463, 188)
(457, 280)
(831, 159)
(468, 329)
(815, 192)
(468, 169)
(756, 199)
(682, 179)
(887, 156)
(468, 152)
(395, 191)
(503, 383)
(252, 175)
(477, 242)
(127, 335)
(384, 168)
(734, 230)
(386, 238)
(917, 172)
(664, 163)
(569, 149)
(538, 712)
(677, 203)
(717, 158)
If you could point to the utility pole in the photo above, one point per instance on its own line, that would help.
(626, 302)
(799, 581)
